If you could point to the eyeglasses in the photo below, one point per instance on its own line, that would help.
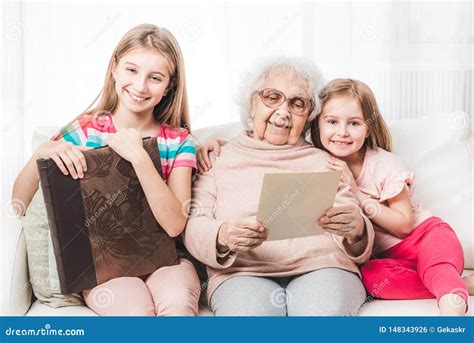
(273, 98)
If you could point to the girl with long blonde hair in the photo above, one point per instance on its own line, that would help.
(144, 94)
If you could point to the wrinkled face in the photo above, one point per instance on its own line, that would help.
(279, 125)
(342, 127)
(141, 80)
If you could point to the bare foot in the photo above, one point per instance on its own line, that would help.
(469, 281)
(452, 304)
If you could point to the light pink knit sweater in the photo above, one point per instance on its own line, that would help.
(231, 190)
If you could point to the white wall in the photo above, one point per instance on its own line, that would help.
(417, 57)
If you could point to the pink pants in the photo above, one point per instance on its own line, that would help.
(169, 291)
(428, 263)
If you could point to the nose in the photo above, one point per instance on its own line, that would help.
(283, 110)
(140, 84)
(282, 115)
(342, 130)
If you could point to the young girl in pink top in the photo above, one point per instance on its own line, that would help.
(408, 260)
(144, 94)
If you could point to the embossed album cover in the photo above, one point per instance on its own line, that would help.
(101, 225)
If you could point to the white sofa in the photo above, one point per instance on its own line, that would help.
(438, 148)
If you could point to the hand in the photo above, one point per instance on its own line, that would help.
(67, 156)
(241, 235)
(203, 161)
(345, 221)
(127, 143)
(347, 176)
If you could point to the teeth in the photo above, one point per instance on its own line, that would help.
(136, 98)
(279, 127)
(340, 143)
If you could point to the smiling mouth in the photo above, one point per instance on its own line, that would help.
(339, 143)
(136, 97)
(279, 126)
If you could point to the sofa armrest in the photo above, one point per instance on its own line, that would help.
(15, 286)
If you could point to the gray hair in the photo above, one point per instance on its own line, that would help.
(254, 78)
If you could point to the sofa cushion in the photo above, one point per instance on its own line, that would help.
(421, 307)
(39, 309)
(437, 148)
(42, 267)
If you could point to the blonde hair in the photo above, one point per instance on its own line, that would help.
(173, 109)
(379, 135)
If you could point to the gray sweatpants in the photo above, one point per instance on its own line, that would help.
(324, 292)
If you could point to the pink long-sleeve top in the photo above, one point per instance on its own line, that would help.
(231, 190)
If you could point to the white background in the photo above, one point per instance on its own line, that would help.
(416, 56)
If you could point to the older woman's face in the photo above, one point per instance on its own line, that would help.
(279, 125)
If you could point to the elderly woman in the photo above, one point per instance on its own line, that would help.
(315, 275)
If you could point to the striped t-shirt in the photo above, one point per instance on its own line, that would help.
(176, 145)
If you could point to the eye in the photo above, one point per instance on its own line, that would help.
(331, 121)
(132, 70)
(273, 98)
(156, 78)
(298, 102)
(354, 123)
